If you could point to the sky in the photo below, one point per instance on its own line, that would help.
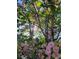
(19, 2)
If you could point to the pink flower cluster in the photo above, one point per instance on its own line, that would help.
(55, 50)
(48, 49)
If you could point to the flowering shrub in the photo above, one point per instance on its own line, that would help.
(38, 29)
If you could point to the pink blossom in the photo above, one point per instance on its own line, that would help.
(51, 44)
(48, 49)
(56, 50)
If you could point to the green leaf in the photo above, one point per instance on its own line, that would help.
(38, 3)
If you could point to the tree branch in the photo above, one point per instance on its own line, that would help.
(37, 18)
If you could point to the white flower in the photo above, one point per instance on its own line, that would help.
(41, 9)
(26, 33)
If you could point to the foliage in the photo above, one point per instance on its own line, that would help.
(38, 24)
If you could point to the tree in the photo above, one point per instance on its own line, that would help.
(45, 14)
